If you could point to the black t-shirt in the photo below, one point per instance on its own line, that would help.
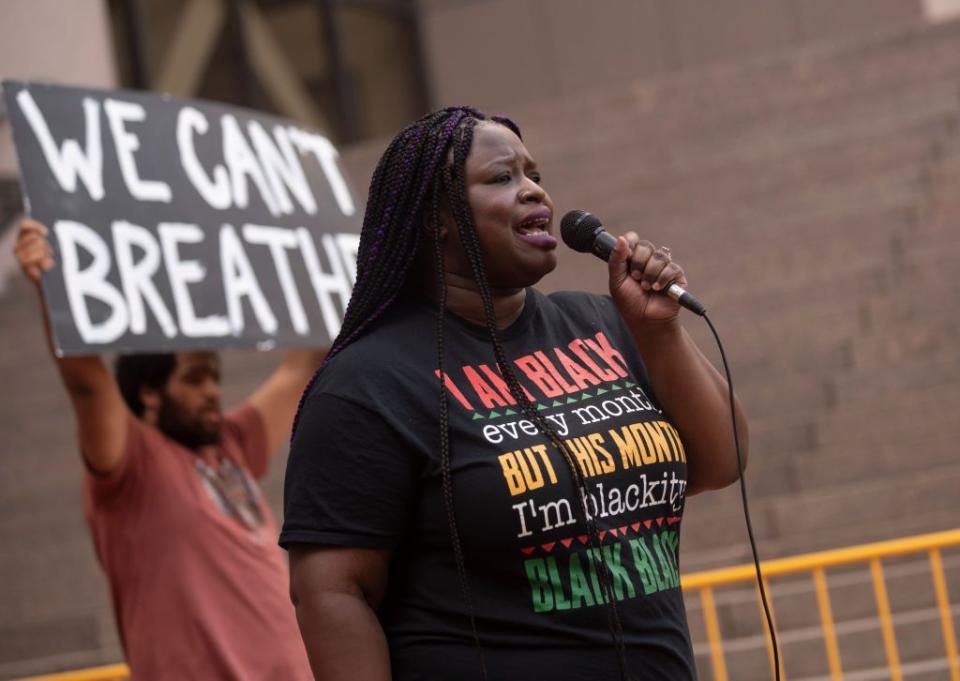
(364, 471)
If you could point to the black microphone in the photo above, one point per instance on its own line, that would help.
(583, 232)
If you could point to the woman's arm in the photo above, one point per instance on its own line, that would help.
(688, 387)
(696, 397)
(336, 591)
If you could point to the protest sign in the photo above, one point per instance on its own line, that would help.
(183, 225)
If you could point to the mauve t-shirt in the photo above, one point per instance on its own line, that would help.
(199, 586)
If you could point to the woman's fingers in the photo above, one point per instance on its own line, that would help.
(652, 265)
(640, 257)
(672, 273)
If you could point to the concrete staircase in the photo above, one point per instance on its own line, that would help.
(812, 198)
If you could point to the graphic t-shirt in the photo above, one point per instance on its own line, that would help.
(199, 587)
(364, 471)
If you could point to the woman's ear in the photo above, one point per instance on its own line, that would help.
(427, 226)
(443, 214)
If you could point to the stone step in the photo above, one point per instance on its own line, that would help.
(868, 362)
(714, 531)
(770, 390)
(62, 662)
(819, 470)
(912, 602)
(783, 145)
(779, 247)
(911, 356)
(799, 257)
(814, 467)
(661, 191)
(888, 418)
(754, 222)
(865, 328)
(908, 581)
(771, 473)
(861, 648)
(864, 504)
(710, 544)
(764, 87)
(814, 326)
(862, 426)
(932, 669)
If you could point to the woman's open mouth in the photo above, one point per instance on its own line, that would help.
(534, 231)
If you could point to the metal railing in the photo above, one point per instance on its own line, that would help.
(113, 672)
(815, 564)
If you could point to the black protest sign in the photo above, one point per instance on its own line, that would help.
(180, 224)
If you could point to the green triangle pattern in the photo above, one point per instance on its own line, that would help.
(571, 400)
(477, 416)
(601, 391)
(541, 407)
(494, 414)
(615, 386)
(509, 412)
(557, 403)
(584, 395)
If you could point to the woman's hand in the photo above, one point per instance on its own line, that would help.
(688, 387)
(33, 250)
(639, 275)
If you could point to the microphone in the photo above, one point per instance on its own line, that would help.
(583, 232)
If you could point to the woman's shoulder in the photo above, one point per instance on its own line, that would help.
(390, 349)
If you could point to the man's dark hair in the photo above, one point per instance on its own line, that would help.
(134, 372)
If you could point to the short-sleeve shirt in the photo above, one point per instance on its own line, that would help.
(199, 587)
(365, 471)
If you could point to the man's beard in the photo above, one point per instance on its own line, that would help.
(190, 433)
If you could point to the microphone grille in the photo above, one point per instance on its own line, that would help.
(578, 229)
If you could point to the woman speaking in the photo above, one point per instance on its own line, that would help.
(486, 482)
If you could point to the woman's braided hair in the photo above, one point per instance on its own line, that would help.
(409, 182)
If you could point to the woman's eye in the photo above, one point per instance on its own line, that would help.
(502, 178)
(536, 177)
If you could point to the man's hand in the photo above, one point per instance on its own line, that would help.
(33, 250)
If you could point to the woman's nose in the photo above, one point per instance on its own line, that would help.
(531, 191)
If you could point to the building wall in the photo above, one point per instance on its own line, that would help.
(501, 54)
(64, 41)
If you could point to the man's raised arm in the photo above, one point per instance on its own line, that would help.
(277, 398)
(97, 403)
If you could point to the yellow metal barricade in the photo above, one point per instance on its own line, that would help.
(113, 672)
(816, 565)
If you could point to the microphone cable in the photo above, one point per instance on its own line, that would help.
(746, 507)
(584, 233)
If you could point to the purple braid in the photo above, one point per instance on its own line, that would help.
(409, 169)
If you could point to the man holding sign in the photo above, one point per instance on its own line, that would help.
(175, 227)
(199, 585)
